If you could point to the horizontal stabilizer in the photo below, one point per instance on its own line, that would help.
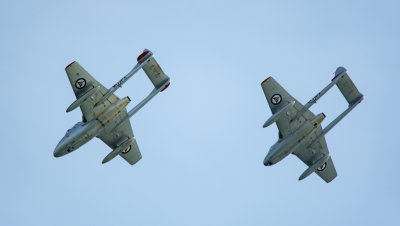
(82, 99)
(153, 71)
(319, 163)
(278, 114)
(338, 75)
(347, 87)
(119, 84)
(124, 146)
(349, 91)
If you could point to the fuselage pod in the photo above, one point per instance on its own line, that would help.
(82, 132)
(287, 145)
(77, 136)
(111, 112)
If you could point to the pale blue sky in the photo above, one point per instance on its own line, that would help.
(202, 139)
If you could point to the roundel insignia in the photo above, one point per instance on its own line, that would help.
(80, 83)
(126, 150)
(276, 99)
(321, 168)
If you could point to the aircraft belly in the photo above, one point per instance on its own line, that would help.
(279, 156)
(294, 141)
(90, 131)
(78, 137)
(307, 141)
(109, 127)
(279, 151)
(113, 111)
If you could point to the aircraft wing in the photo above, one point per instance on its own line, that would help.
(278, 98)
(316, 148)
(83, 83)
(114, 137)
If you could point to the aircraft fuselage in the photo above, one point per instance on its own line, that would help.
(83, 132)
(77, 136)
(284, 147)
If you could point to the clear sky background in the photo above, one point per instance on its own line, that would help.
(202, 139)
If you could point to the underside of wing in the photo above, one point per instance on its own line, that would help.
(83, 83)
(118, 135)
(278, 98)
(327, 171)
(312, 152)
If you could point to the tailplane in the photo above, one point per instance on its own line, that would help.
(347, 87)
(154, 71)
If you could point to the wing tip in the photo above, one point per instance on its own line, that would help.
(69, 65)
(340, 70)
(265, 80)
(165, 87)
(332, 179)
(143, 54)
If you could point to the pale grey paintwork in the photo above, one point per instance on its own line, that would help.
(296, 134)
(119, 84)
(104, 114)
(278, 114)
(78, 102)
(293, 142)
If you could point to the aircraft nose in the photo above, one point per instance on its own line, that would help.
(266, 161)
(60, 149)
(57, 152)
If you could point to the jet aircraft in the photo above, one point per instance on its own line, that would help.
(104, 114)
(300, 131)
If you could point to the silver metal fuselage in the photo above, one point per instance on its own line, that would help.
(77, 136)
(288, 145)
(83, 132)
